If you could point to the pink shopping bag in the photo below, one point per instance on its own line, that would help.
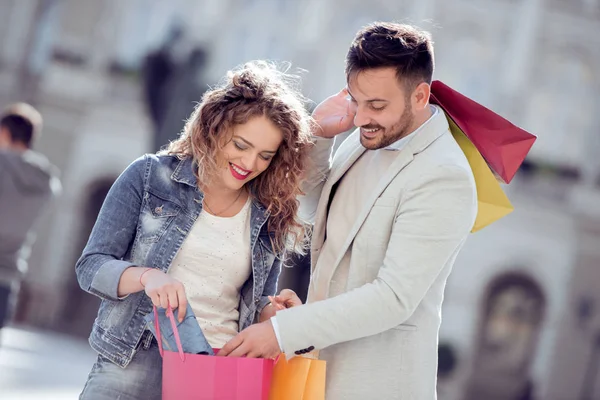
(199, 377)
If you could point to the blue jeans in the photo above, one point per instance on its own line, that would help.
(5, 304)
(140, 380)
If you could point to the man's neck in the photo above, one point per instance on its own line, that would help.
(421, 117)
(16, 147)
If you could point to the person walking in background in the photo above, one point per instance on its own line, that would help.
(27, 184)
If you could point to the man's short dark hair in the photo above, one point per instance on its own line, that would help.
(23, 122)
(386, 44)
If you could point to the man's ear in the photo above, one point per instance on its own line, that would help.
(420, 96)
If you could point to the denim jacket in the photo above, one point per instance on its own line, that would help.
(144, 220)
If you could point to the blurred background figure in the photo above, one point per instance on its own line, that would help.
(112, 78)
(157, 71)
(173, 83)
(184, 90)
(27, 183)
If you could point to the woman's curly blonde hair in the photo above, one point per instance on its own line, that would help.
(255, 89)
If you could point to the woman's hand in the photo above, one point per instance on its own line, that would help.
(165, 291)
(287, 298)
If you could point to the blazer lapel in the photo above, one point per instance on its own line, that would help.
(325, 273)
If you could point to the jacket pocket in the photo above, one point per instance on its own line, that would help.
(380, 221)
(155, 217)
(405, 327)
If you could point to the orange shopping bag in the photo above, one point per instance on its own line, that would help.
(299, 378)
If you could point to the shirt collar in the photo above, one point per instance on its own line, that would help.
(401, 143)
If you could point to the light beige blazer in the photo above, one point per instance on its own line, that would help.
(379, 335)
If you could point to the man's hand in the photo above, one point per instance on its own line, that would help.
(256, 341)
(334, 115)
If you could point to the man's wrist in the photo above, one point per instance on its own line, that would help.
(276, 330)
(317, 131)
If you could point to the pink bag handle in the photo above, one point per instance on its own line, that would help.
(169, 314)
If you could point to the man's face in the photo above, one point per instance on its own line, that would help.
(384, 112)
(5, 140)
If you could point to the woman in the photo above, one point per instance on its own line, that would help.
(206, 222)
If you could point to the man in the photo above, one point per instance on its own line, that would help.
(391, 210)
(27, 182)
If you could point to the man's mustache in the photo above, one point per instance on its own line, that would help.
(371, 127)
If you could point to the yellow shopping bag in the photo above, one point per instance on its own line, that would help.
(491, 200)
(299, 378)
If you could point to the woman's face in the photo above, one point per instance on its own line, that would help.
(249, 152)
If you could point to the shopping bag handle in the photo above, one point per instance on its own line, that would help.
(169, 314)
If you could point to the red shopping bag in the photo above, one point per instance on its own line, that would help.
(199, 377)
(503, 145)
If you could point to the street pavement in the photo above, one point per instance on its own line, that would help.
(42, 365)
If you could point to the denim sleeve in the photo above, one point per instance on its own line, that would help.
(100, 266)
(270, 288)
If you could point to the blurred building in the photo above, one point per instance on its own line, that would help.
(522, 308)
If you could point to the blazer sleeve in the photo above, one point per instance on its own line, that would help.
(432, 222)
(316, 175)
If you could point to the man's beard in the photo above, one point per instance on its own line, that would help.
(391, 135)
